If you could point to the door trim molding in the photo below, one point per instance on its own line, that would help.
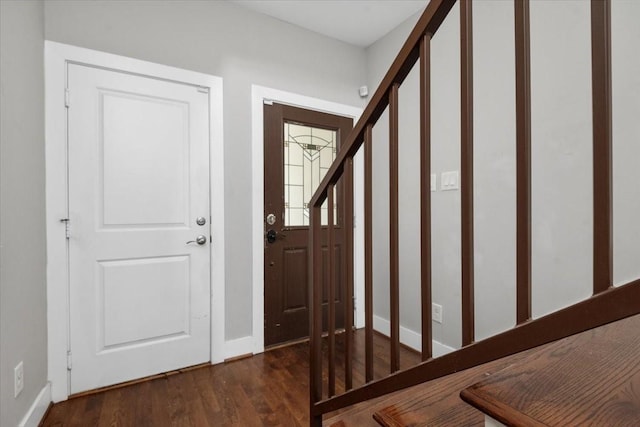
(57, 56)
(260, 95)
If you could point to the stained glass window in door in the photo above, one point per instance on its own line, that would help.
(308, 154)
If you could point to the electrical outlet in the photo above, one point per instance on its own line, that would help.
(18, 379)
(436, 312)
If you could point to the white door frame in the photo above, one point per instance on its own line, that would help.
(259, 96)
(57, 57)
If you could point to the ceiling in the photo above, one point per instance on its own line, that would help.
(358, 22)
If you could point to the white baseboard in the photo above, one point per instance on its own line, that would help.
(238, 347)
(440, 349)
(38, 408)
(409, 338)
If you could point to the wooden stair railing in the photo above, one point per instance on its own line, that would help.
(607, 304)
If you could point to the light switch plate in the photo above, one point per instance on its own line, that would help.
(449, 181)
(18, 379)
(434, 184)
(436, 312)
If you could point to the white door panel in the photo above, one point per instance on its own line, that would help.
(138, 179)
(121, 322)
(132, 166)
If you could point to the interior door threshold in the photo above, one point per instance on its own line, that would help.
(299, 340)
(139, 380)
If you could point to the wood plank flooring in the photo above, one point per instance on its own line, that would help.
(269, 389)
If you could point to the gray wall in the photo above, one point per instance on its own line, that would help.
(243, 48)
(23, 327)
(562, 159)
(626, 140)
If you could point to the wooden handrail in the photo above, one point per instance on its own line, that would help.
(601, 309)
(429, 22)
(608, 304)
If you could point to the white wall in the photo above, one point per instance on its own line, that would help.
(243, 48)
(23, 328)
(561, 171)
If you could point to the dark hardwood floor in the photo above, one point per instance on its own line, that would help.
(269, 389)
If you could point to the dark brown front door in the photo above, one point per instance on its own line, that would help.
(299, 147)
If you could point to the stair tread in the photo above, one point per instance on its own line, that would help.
(438, 403)
(360, 414)
(592, 378)
(435, 403)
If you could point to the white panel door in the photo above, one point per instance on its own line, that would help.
(138, 180)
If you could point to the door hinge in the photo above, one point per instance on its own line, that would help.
(69, 364)
(203, 89)
(66, 98)
(66, 227)
(267, 101)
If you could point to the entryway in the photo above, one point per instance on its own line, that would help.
(299, 147)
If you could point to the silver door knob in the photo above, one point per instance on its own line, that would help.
(201, 240)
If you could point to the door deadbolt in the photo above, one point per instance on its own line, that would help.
(271, 219)
(201, 220)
